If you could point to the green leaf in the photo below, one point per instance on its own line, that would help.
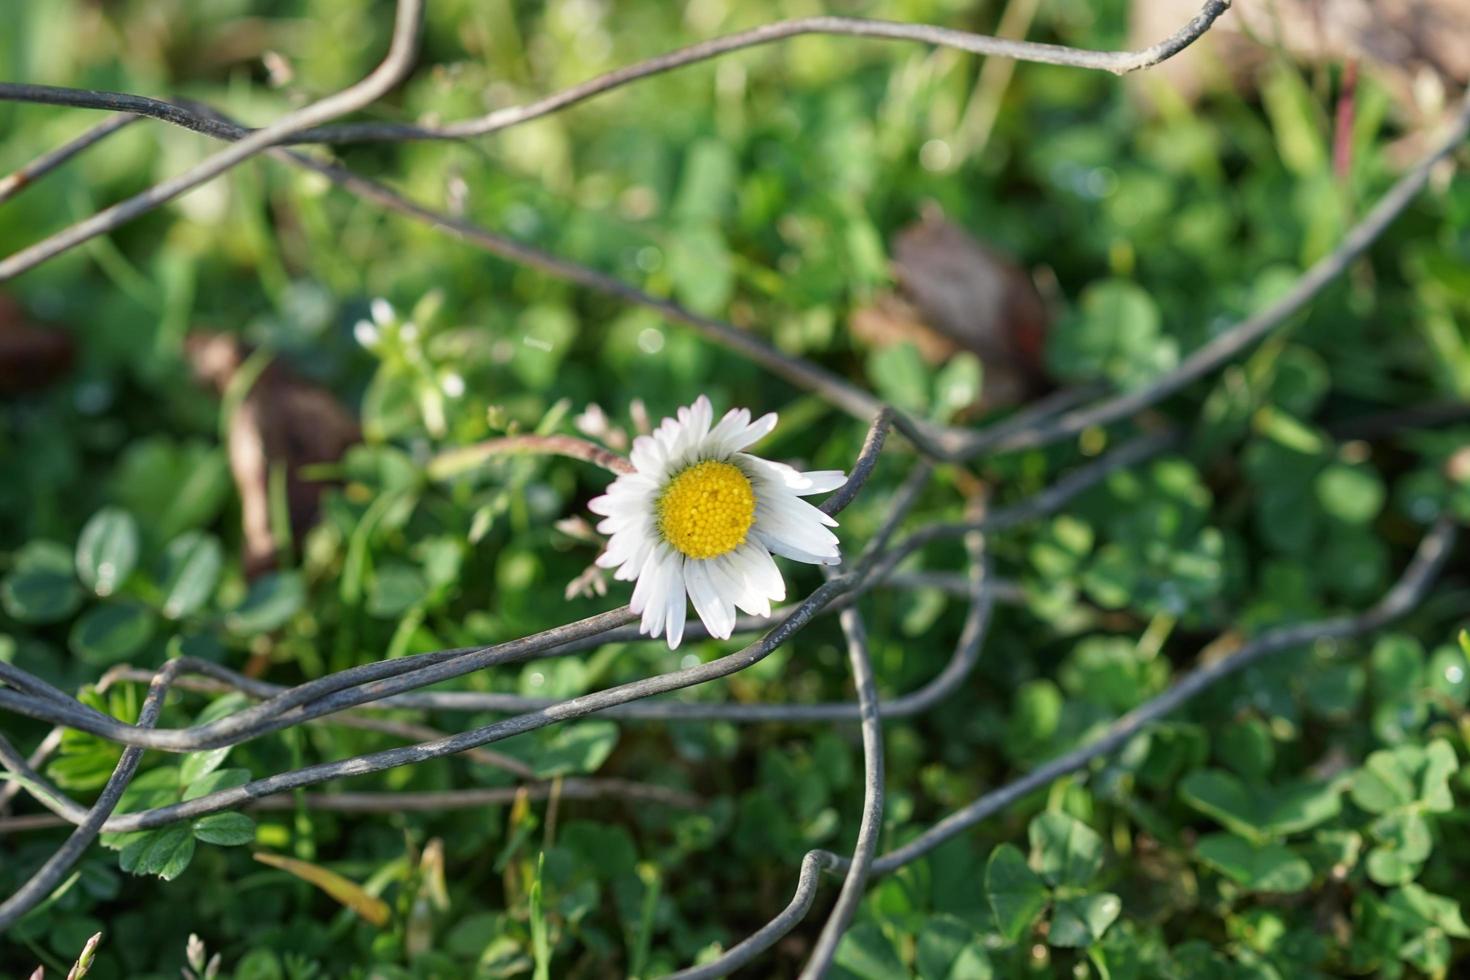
(271, 602)
(707, 186)
(110, 633)
(225, 829)
(197, 765)
(700, 265)
(951, 949)
(1295, 121)
(107, 550)
(156, 787)
(1066, 850)
(901, 376)
(1269, 867)
(190, 570)
(1396, 667)
(1246, 746)
(957, 385)
(1116, 334)
(1393, 778)
(1081, 920)
(397, 587)
(1352, 494)
(1389, 867)
(165, 852)
(1015, 892)
(1261, 811)
(1440, 763)
(1035, 718)
(546, 333)
(1449, 674)
(1434, 909)
(866, 952)
(576, 748)
(42, 586)
(216, 781)
(172, 486)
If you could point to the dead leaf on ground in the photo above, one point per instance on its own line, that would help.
(31, 356)
(283, 422)
(957, 293)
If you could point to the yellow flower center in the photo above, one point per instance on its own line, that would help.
(706, 510)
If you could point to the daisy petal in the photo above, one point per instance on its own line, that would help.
(705, 594)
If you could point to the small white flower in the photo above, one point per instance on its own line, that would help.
(383, 313)
(367, 333)
(701, 518)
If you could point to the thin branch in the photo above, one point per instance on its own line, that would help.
(35, 760)
(434, 801)
(1138, 450)
(392, 70)
(1405, 595)
(568, 710)
(1117, 62)
(871, 824)
(799, 372)
(376, 681)
(21, 179)
(1247, 332)
(49, 875)
(807, 881)
(945, 443)
(453, 744)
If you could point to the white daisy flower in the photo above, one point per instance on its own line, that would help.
(699, 517)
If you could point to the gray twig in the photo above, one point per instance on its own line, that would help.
(1117, 62)
(18, 181)
(393, 69)
(1407, 593)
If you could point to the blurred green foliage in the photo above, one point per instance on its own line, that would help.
(1300, 819)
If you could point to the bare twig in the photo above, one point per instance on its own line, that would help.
(1405, 595)
(40, 884)
(393, 69)
(1117, 62)
(424, 802)
(343, 697)
(1235, 339)
(18, 181)
(871, 824)
(807, 881)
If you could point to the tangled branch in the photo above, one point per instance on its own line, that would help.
(350, 697)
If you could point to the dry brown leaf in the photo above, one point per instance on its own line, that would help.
(31, 356)
(957, 293)
(283, 422)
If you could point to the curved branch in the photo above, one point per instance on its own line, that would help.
(1405, 595)
(871, 824)
(1247, 332)
(744, 952)
(394, 67)
(1116, 62)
